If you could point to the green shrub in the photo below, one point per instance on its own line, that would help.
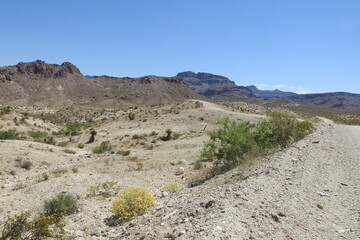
(38, 134)
(43, 227)
(73, 128)
(81, 145)
(132, 202)
(61, 204)
(229, 143)
(123, 152)
(281, 129)
(69, 151)
(103, 147)
(63, 144)
(11, 134)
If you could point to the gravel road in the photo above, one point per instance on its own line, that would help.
(308, 191)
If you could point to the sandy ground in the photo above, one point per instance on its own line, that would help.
(308, 191)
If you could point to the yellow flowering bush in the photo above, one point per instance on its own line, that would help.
(132, 202)
(171, 187)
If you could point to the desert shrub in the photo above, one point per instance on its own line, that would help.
(69, 151)
(136, 136)
(73, 128)
(63, 144)
(49, 140)
(19, 227)
(198, 165)
(166, 137)
(228, 143)
(132, 202)
(11, 134)
(131, 116)
(281, 129)
(38, 134)
(92, 137)
(61, 204)
(103, 147)
(103, 190)
(123, 152)
(81, 145)
(171, 187)
(26, 165)
(149, 147)
(5, 110)
(303, 129)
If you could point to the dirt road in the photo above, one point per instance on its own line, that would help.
(308, 191)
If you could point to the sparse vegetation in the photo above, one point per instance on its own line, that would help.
(62, 204)
(132, 202)
(229, 143)
(37, 135)
(63, 144)
(171, 187)
(19, 227)
(69, 151)
(11, 134)
(103, 190)
(123, 152)
(103, 147)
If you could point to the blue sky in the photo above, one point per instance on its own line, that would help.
(301, 46)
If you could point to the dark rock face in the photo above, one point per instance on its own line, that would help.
(5, 75)
(45, 70)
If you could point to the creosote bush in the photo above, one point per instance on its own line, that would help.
(132, 202)
(19, 227)
(229, 144)
(62, 204)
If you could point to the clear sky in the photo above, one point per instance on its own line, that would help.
(297, 45)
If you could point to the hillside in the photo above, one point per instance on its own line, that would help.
(216, 87)
(42, 84)
(316, 180)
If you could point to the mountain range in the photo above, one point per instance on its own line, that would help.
(42, 84)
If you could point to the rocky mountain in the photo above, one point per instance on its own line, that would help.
(216, 87)
(335, 100)
(43, 84)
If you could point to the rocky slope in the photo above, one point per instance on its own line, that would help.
(39, 83)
